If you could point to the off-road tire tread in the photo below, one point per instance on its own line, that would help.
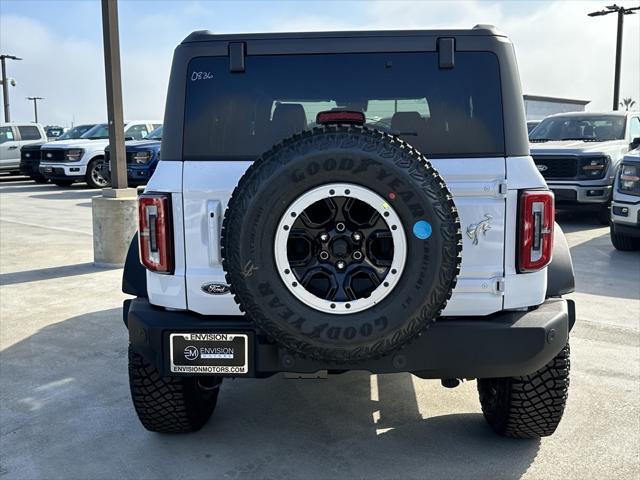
(167, 404)
(530, 406)
(374, 141)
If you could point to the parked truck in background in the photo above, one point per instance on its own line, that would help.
(578, 155)
(142, 157)
(82, 160)
(14, 136)
(30, 154)
(625, 208)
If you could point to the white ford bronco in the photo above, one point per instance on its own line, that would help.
(329, 202)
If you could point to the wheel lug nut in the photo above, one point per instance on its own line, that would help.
(340, 227)
(357, 236)
(340, 265)
(357, 255)
(324, 237)
(324, 255)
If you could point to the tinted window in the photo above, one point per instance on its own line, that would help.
(590, 128)
(442, 112)
(6, 134)
(54, 132)
(75, 132)
(634, 128)
(29, 132)
(98, 131)
(137, 132)
(155, 134)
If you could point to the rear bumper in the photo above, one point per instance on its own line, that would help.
(501, 345)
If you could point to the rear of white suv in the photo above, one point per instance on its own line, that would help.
(303, 220)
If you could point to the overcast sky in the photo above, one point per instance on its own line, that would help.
(561, 51)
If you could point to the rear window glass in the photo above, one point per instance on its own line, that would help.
(442, 112)
(29, 132)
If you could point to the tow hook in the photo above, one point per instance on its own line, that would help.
(450, 382)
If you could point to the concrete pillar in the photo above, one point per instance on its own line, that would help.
(115, 221)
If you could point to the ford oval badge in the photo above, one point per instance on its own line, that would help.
(215, 288)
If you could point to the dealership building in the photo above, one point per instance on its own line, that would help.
(538, 107)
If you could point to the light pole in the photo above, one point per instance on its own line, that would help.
(114, 93)
(35, 105)
(5, 85)
(621, 11)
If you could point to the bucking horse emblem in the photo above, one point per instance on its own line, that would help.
(476, 230)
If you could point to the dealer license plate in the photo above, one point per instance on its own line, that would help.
(209, 353)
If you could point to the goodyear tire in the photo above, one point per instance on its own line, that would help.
(170, 404)
(530, 406)
(341, 244)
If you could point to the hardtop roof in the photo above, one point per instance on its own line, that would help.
(209, 36)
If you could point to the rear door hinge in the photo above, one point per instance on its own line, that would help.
(237, 52)
(446, 49)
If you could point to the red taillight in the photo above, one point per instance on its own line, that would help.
(340, 116)
(537, 216)
(154, 232)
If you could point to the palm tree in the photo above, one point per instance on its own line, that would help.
(627, 103)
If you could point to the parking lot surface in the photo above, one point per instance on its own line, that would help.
(65, 411)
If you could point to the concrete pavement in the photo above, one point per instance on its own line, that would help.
(65, 410)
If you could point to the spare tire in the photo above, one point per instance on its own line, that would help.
(341, 243)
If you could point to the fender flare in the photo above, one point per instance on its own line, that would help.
(134, 277)
(560, 276)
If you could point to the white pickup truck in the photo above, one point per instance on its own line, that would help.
(82, 160)
(14, 136)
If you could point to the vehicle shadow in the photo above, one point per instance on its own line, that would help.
(65, 391)
(600, 269)
(5, 178)
(50, 273)
(572, 221)
(69, 194)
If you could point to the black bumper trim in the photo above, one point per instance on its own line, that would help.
(58, 173)
(501, 345)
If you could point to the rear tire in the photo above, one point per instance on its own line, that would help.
(623, 242)
(530, 406)
(170, 404)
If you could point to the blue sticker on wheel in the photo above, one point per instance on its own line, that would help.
(422, 229)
